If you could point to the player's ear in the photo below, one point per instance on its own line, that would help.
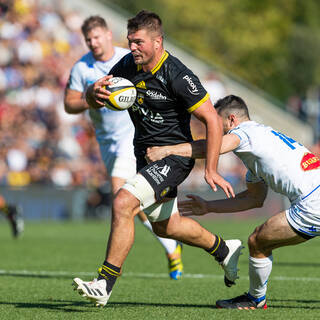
(158, 42)
(232, 120)
(109, 35)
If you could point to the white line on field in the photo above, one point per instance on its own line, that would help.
(141, 275)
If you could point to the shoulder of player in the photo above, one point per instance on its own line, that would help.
(127, 61)
(121, 50)
(174, 65)
(172, 68)
(85, 61)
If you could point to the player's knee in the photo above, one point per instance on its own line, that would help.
(165, 229)
(122, 206)
(257, 242)
(253, 240)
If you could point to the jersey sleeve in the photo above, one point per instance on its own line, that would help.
(189, 90)
(123, 68)
(244, 139)
(117, 70)
(75, 81)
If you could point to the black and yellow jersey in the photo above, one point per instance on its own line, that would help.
(166, 97)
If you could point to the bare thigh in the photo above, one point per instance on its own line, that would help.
(274, 233)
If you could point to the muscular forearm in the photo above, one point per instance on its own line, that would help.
(76, 106)
(74, 102)
(195, 149)
(214, 139)
(241, 202)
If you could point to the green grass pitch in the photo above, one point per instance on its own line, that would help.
(36, 272)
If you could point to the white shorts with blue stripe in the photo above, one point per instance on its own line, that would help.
(304, 215)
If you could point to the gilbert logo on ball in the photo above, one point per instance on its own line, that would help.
(123, 94)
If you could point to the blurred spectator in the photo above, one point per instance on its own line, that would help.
(39, 142)
(296, 107)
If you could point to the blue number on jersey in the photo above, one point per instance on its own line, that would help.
(287, 140)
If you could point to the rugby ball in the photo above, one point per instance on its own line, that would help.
(123, 94)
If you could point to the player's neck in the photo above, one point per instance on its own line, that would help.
(148, 67)
(106, 56)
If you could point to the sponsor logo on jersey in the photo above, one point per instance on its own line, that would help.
(192, 88)
(155, 95)
(147, 114)
(141, 85)
(140, 97)
(309, 162)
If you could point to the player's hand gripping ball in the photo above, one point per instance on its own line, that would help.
(123, 94)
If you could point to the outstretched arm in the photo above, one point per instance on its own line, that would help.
(195, 149)
(251, 198)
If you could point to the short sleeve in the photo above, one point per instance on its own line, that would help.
(124, 67)
(189, 90)
(244, 139)
(117, 70)
(75, 81)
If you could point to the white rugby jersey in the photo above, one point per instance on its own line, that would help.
(110, 126)
(285, 165)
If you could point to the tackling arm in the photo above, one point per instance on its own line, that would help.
(195, 149)
(251, 198)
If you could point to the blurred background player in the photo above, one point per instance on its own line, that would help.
(114, 130)
(14, 215)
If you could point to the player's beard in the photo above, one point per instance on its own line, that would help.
(140, 59)
(97, 53)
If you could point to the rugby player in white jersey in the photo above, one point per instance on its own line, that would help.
(273, 160)
(114, 130)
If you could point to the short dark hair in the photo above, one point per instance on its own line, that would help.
(93, 22)
(145, 20)
(232, 104)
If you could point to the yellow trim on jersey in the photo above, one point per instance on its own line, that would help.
(199, 103)
(139, 67)
(163, 58)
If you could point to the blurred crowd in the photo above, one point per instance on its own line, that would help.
(40, 143)
(307, 109)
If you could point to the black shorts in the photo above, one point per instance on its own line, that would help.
(166, 174)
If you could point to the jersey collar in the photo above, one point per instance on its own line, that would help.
(163, 58)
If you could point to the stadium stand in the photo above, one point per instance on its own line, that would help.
(40, 144)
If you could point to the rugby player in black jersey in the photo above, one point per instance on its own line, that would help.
(168, 92)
